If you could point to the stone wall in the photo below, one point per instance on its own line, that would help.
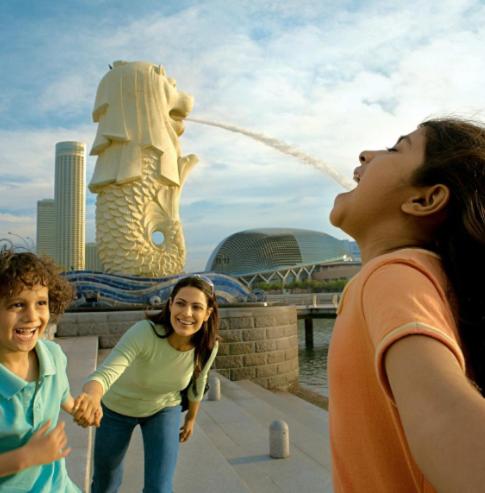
(50, 331)
(108, 326)
(259, 343)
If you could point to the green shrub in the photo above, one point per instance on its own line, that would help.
(311, 285)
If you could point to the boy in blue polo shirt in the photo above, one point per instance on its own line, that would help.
(33, 380)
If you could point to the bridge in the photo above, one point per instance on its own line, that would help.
(336, 268)
(309, 306)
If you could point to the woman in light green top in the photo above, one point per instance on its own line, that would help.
(140, 382)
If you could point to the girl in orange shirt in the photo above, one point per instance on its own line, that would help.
(407, 357)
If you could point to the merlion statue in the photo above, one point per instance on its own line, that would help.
(139, 171)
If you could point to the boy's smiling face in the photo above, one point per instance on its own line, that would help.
(23, 318)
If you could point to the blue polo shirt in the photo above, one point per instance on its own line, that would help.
(24, 407)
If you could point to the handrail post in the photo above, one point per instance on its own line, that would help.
(309, 332)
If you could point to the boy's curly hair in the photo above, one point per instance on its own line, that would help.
(19, 270)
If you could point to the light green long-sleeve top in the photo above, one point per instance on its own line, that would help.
(144, 373)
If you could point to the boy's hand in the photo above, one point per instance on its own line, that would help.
(87, 410)
(45, 447)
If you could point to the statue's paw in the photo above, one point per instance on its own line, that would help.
(186, 163)
(188, 160)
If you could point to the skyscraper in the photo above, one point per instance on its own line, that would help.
(70, 191)
(92, 258)
(46, 227)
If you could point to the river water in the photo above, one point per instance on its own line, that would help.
(313, 362)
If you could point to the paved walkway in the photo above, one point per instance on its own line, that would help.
(82, 354)
(229, 451)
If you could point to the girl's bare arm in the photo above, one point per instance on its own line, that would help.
(443, 415)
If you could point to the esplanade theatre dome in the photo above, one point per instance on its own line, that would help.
(258, 250)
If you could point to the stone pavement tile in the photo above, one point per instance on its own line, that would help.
(302, 410)
(203, 469)
(81, 355)
(133, 465)
(256, 477)
(312, 441)
(200, 469)
(251, 441)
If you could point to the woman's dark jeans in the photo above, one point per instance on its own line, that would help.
(160, 443)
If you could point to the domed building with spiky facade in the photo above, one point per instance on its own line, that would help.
(257, 254)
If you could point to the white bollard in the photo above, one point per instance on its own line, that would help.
(279, 440)
(214, 393)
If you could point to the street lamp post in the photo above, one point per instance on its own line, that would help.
(27, 245)
(9, 244)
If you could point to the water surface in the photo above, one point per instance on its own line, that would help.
(313, 362)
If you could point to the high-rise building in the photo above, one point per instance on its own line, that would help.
(92, 258)
(69, 196)
(46, 228)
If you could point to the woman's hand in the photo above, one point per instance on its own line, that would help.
(87, 410)
(187, 429)
(98, 416)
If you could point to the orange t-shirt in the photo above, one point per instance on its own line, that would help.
(393, 296)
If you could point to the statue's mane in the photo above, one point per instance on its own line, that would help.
(132, 109)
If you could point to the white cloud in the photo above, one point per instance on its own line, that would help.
(69, 94)
(15, 219)
(330, 79)
(17, 229)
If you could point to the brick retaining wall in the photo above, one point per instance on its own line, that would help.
(258, 343)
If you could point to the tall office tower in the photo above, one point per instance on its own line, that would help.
(92, 258)
(70, 192)
(46, 227)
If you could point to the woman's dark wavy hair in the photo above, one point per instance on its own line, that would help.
(455, 157)
(20, 270)
(204, 339)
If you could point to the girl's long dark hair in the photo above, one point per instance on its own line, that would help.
(455, 157)
(204, 339)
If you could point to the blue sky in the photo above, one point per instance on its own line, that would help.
(330, 78)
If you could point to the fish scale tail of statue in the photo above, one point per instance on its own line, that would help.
(140, 172)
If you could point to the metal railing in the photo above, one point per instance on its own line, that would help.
(304, 299)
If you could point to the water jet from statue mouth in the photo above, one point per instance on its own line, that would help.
(283, 147)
